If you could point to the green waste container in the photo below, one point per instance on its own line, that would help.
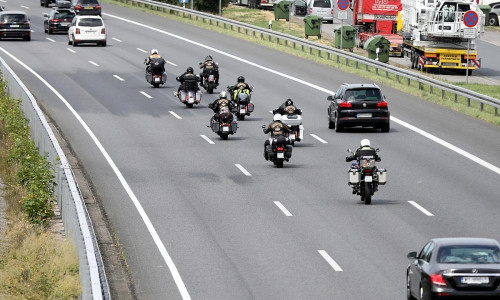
(486, 11)
(281, 10)
(312, 26)
(378, 48)
(347, 34)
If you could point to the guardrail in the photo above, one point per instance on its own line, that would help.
(331, 53)
(77, 224)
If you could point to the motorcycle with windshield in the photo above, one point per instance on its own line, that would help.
(364, 177)
(294, 121)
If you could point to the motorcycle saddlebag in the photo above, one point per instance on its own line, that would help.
(149, 77)
(215, 126)
(288, 152)
(354, 176)
(382, 176)
(234, 126)
(250, 107)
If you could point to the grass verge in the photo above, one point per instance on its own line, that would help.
(256, 17)
(35, 263)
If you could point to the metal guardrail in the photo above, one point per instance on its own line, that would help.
(350, 58)
(77, 223)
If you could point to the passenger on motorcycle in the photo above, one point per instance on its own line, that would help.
(188, 80)
(220, 103)
(240, 87)
(209, 66)
(277, 130)
(287, 108)
(364, 150)
(155, 62)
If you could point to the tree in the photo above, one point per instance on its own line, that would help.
(210, 6)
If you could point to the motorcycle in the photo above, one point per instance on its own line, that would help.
(294, 122)
(155, 74)
(278, 150)
(190, 95)
(364, 177)
(209, 79)
(244, 106)
(224, 125)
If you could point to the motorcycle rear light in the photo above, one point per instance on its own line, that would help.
(77, 31)
(382, 104)
(345, 104)
(280, 148)
(367, 171)
(437, 279)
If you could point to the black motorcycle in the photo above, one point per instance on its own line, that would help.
(209, 77)
(364, 177)
(243, 105)
(155, 73)
(224, 124)
(279, 150)
(190, 95)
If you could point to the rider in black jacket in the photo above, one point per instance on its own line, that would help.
(209, 65)
(287, 108)
(218, 104)
(364, 150)
(188, 77)
(277, 129)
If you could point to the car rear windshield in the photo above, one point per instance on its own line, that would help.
(363, 95)
(322, 3)
(88, 2)
(11, 18)
(64, 14)
(469, 255)
(90, 22)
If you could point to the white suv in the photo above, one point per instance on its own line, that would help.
(87, 29)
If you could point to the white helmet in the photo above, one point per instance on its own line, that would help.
(277, 117)
(154, 51)
(365, 143)
(223, 94)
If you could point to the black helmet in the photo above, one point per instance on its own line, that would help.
(190, 70)
(208, 58)
(289, 102)
(241, 79)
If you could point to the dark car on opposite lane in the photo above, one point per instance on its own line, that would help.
(58, 20)
(451, 267)
(15, 24)
(358, 105)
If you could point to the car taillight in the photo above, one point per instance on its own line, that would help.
(103, 31)
(382, 104)
(437, 279)
(310, 10)
(77, 31)
(78, 7)
(54, 20)
(345, 104)
(97, 7)
(331, 11)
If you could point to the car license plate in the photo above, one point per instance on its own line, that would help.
(368, 179)
(14, 26)
(364, 115)
(475, 280)
(225, 129)
(89, 7)
(65, 24)
(281, 155)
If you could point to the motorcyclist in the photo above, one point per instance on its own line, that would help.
(188, 79)
(241, 86)
(287, 108)
(209, 65)
(277, 129)
(364, 150)
(155, 62)
(219, 104)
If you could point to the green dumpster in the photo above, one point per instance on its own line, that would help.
(486, 11)
(312, 26)
(345, 33)
(378, 48)
(281, 10)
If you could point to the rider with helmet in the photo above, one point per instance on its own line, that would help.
(219, 104)
(364, 150)
(277, 129)
(155, 62)
(209, 66)
(241, 86)
(287, 108)
(188, 80)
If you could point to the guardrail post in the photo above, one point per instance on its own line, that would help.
(338, 59)
(328, 56)
(261, 36)
(496, 111)
(468, 102)
(376, 70)
(357, 64)
(310, 50)
(442, 94)
(278, 40)
(456, 98)
(286, 43)
(408, 81)
(246, 31)
(238, 29)
(302, 47)
(482, 106)
(269, 37)
(319, 53)
(397, 78)
(431, 89)
(420, 87)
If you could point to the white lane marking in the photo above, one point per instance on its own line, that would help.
(25, 7)
(118, 77)
(207, 139)
(146, 95)
(478, 160)
(71, 50)
(283, 209)
(330, 260)
(95, 64)
(270, 111)
(142, 50)
(243, 170)
(169, 62)
(319, 139)
(175, 115)
(50, 40)
(448, 145)
(152, 231)
(116, 40)
(419, 207)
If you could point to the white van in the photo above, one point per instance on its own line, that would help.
(321, 8)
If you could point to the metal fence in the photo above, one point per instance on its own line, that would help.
(344, 57)
(77, 223)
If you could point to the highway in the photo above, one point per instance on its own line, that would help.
(203, 218)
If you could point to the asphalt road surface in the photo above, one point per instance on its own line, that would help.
(203, 218)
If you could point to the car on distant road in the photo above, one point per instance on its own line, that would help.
(451, 267)
(86, 7)
(358, 105)
(494, 14)
(87, 29)
(58, 20)
(322, 9)
(46, 3)
(15, 24)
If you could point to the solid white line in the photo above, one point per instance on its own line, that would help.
(283, 209)
(152, 231)
(116, 39)
(207, 139)
(169, 62)
(319, 139)
(458, 150)
(146, 95)
(417, 206)
(142, 50)
(71, 50)
(243, 170)
(93, 63)
(175, 115)
(330, 260)
(50, 40)
(118, 77)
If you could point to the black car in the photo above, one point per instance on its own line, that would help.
(58, 20)
(450, 267)
(86, 7)
(46, 3)
(15, 24)
(358, 105)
